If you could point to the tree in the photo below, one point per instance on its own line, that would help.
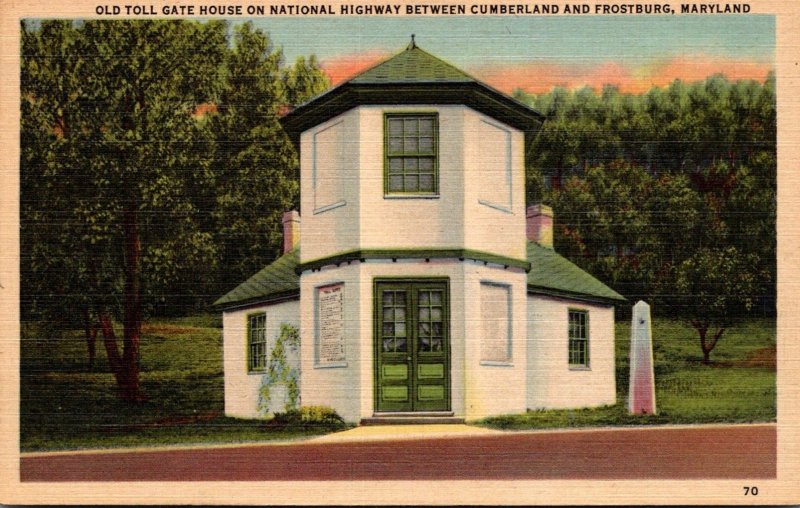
(703, 155)
(58, 228)
(603, 225)
(118, 129)
(304, 80)
(712, 288)
(255, 163)
(554, 152)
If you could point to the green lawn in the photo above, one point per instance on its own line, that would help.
(739, 385)
(65, 405)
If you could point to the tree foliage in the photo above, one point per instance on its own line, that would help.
(256, 166)
(681, 127)
(304, 80)
(713, 287)
(651, 191)
(129, 177)
(114, 142)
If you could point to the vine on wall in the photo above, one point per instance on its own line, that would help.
(280, 372)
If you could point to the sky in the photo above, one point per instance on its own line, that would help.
(536, 53)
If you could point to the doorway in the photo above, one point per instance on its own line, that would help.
(412, 345)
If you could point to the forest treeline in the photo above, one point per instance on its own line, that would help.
(154, 173)
(642, 183)
(667, 196)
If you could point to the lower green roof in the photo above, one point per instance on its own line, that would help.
(555, 275)
(277, 280)
(549, 274)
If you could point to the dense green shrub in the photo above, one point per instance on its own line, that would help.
(317, 417)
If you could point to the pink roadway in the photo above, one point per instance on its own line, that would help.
(703, 452)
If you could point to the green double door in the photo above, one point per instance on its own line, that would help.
(412, 346)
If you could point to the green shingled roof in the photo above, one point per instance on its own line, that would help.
(550, 274)
(412, 77)
(277, 280)
(413, 66)
(555, 275)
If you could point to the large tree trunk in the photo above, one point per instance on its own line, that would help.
(90, 331)
(126, 367)
(132, 319)
(115, 362)
(110, 343)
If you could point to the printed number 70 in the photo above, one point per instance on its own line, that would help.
(752, 491)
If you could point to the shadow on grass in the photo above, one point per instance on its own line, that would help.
(205, 430)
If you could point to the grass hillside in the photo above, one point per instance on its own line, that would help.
(738, 386)
(64, 404)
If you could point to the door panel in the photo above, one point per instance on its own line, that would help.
(431, 347)
(412, 346)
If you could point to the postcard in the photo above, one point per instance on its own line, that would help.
(351, 252)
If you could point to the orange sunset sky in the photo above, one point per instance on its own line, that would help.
(536, 54)
(541, 76)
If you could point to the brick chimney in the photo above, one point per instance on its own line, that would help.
(291, 230)
(539, 225)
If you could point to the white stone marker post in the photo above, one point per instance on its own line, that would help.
(641, 386)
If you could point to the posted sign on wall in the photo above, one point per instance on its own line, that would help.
(330, 328)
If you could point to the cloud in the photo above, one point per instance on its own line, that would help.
(694, 69)
(541, 77)
(344, 67)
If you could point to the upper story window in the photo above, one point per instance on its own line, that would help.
(411, 154)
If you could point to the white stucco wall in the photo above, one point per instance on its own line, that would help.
(481, 199)
(552, 384)
(412, 222)
(492, 388)
(477, 389)
(536, 376)
(339, 386)
(494, 186)
(329, 191)
(480, 206)
(241, 387)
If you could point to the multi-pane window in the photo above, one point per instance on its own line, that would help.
(578, 338)
(256, 342)
(430, 321)
(394, 334)
(411, 154)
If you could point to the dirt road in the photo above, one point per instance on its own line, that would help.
(746, 452)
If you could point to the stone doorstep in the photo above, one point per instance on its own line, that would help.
(414, 418)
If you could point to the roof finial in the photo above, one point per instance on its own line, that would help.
(413, 44)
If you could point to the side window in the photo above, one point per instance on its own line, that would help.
(411, 154)
(578, 338)
(257, 342)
